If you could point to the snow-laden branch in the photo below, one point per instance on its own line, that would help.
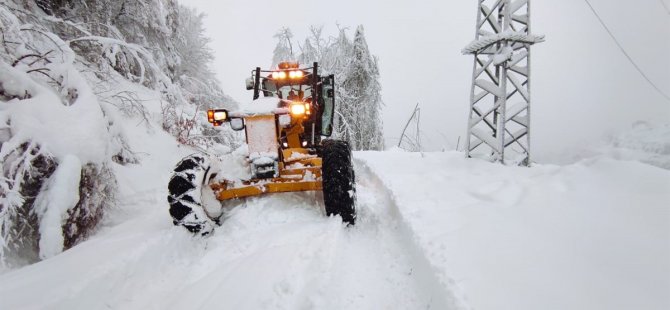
(134, 49)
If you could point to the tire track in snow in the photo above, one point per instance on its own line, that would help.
(292, 257)
(275, 252)
(442, 297)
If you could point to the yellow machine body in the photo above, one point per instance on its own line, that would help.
(298, 169)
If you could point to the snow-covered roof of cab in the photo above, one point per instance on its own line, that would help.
(260, 106)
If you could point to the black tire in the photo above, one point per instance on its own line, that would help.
(339, 182)
(185, 195)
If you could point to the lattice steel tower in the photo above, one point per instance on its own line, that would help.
(499, 123)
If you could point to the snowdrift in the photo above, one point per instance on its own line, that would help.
(646, 142)
(434, 231)
(592, 235)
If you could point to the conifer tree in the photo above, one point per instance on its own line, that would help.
(363, 109)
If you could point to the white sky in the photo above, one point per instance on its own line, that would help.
(583, 87)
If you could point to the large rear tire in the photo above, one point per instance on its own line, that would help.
(339, 182)
(185, 195)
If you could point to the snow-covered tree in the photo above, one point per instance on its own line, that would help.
(284, 49)
(192, 46)
(336, 56)
(363, 92)
(94, 57)
(316, 37)
(314, 46)
(357, 92)
(308, 53)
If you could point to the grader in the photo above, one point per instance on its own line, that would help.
(288, 151)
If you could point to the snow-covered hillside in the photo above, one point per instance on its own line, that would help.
(76, 78)
(435, 231)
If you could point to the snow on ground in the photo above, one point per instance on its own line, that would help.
(60, 194)
(435, 231)
(646, 142)
(276, 252)
(592, 235)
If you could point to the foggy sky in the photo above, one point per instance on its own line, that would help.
(583, 87)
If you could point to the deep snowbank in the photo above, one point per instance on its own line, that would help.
(592, 235)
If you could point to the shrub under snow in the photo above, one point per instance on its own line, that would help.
(69, 70)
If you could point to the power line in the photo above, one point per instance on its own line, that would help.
(665, 6)
(626, 53)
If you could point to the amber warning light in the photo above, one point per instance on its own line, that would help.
(217, 117)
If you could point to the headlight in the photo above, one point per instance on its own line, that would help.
(279, 75)
(297, 109)
(295, 74)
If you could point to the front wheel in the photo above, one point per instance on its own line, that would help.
(185, 195)
(339, 183)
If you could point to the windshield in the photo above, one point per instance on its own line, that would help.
(290, 92)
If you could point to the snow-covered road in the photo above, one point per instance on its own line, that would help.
(435, 231)
(276, 252)
(590, 235)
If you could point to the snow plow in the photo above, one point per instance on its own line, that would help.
(287, 151)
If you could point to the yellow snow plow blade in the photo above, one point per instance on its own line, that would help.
(305, 178)
(277, 185)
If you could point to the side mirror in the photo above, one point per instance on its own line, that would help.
(217, 116)
(237, 123)
(250, 83)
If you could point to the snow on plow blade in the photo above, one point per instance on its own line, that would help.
(305, 178)
(278, 185)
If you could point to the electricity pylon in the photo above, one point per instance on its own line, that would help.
(499, 122)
